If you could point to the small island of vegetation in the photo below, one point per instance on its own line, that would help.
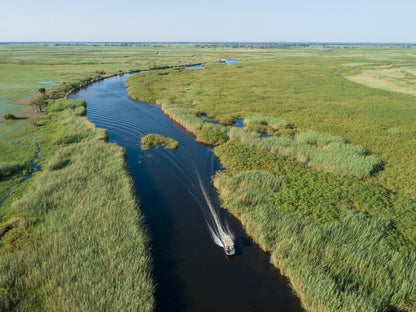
(157, 140)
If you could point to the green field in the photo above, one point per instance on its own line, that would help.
(335, 200)
(335, 205)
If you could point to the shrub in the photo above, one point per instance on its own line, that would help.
(9, 116)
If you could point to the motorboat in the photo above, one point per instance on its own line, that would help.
(228, 245)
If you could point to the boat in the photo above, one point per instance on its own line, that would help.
(228, 245)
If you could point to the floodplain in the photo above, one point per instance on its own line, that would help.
(328, 144)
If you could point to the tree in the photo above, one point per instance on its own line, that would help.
(40, 100)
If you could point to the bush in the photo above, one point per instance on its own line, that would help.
(9, 116)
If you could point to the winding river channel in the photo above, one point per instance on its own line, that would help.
(176, 196)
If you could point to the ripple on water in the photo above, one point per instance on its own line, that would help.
(191, 272)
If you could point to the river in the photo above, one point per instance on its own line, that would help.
(191, 272)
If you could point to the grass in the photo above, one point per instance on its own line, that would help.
(342, 265)
(190, 119)
(345, 244)
(309, 90)
(72, 236)
(331, 194)
(396, 79)
(157, 140)
(62, 251)
(335, 157)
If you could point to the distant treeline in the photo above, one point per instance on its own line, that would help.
(252, 45)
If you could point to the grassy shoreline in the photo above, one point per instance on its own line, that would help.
(348, 258)
(68, 240)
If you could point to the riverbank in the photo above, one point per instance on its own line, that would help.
(339, 239)
(68, 240)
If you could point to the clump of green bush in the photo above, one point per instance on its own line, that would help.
(269, 125)
(157, 140)
(317, 150)
(9, 116)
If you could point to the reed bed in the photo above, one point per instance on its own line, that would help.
(190, 119)
(337, 156)
(270, 121)
(347, 244)
(8, 169)
(343, 265)
(77, 241)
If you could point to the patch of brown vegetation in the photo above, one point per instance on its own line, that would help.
(27, 111)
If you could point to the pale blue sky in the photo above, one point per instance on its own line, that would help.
(183, 20)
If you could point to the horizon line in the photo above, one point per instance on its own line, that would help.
(217, 42)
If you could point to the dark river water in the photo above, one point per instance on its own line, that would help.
(191, 272)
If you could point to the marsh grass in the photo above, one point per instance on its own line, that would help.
(190, 119)
(346, 264)
(310, 91)
(318, 195)
(268, 124)
(157, 140)
(77, 241)
(320, 139)
(8, 169)
(318, 151)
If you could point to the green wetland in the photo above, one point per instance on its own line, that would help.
(321, 176)
(183, 215)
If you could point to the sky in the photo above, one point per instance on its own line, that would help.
(194, 21)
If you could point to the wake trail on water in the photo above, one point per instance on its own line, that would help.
(217, 228)
(201, 191)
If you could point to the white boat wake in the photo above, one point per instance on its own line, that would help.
(220, 231)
